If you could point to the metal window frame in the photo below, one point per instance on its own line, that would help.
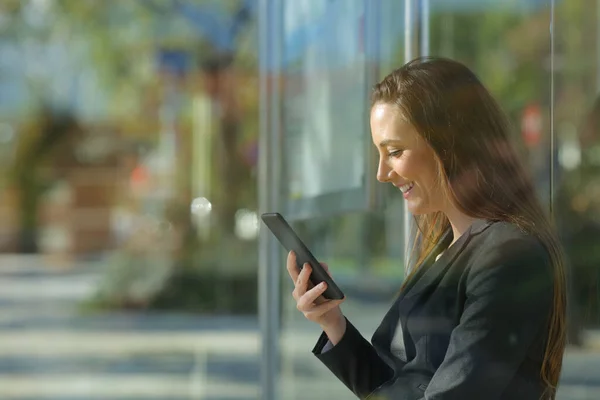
(269, 32)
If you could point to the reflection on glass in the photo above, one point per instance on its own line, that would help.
(324, 97)
(549, 86)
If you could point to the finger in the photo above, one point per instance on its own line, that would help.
(308, 299)
(321, 309)
(292, 267)
(301, 284)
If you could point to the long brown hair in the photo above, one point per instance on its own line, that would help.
(479, 168)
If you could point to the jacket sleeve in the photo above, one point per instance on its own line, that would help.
(355, 362)
(508, 302)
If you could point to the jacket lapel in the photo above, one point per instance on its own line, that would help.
(389, 337)
(445, 240)
(431, 271)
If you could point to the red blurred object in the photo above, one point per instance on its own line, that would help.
(139, 175)
(531, 125)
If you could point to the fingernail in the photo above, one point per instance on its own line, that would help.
(321, 285)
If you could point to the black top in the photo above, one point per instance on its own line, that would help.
(471, 325)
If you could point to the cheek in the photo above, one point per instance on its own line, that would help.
(432, 171)
(402, 167)
(409, 167)
(428, 168)
(417, 167)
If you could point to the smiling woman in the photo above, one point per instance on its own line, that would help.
(483, 314)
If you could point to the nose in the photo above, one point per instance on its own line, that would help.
(383, 172)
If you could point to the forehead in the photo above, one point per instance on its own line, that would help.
(389, 125)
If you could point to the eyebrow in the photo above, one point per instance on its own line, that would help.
(387, 142)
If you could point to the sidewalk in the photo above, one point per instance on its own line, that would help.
(49, 351)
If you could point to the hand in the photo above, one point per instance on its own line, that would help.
(316, 308)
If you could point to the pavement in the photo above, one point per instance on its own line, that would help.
(50, 351)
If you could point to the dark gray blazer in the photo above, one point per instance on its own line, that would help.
(471, 325)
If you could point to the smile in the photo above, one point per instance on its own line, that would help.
(406, 188)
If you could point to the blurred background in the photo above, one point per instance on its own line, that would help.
(141, 139)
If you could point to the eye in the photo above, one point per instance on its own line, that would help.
(395, 153)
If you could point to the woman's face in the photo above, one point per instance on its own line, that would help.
(405, 160)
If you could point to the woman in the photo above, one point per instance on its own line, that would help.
(482, 316)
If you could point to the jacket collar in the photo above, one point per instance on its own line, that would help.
(432, 270)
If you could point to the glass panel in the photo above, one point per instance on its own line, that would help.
(515, 70)
(577, 204)
(548, 85)
(364, 250)
(324, 103)
(365, 256)
(128, 252)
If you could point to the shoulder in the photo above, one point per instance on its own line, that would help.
(503, 241)
(507, 253)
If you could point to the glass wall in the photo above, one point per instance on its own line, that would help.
(577, 205)
(540, 60)
(364, 249)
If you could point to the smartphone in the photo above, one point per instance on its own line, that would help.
(290, 240)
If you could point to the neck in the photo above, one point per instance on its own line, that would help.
(459, 222)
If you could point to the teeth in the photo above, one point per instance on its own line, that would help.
(407, 187)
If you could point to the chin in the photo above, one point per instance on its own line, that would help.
(418, 209)
(417, 212)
